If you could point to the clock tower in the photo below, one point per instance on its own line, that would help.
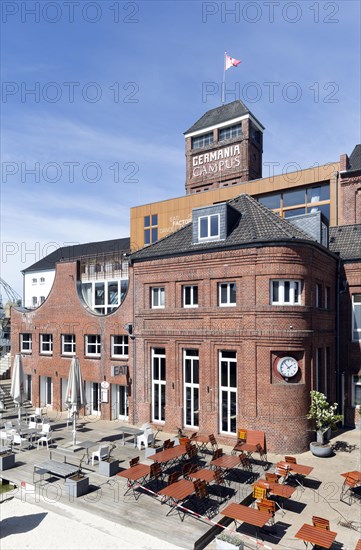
(223, 147)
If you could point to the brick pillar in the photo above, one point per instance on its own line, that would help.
(343, 163)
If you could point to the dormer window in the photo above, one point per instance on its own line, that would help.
(230, 132)
(208, 227)
(202, 141)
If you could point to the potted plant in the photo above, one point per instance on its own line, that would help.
(325, 418)
(7, 459)
(229, 541)
(109, 466)
(77, 485)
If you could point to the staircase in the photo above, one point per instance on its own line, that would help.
(5, 363)
(9, 406)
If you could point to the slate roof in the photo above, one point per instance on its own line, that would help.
(221, 114)
(355, 159)
(256, 224)
(75, 252)
(346, 241)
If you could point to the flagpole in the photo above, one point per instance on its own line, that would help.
(224, 78)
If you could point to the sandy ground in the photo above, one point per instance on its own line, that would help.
(26, 525)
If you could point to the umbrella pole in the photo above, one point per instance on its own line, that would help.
(74, 428)
(19, 414)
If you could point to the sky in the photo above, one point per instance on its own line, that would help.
(96, 96)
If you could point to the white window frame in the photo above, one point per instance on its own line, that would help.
(26, 342)
(228, 302)
(192, 302)
(293, 285)
(121, 348)
(68, 340)
(158, 384)
(356, 305)
(46, 344)
(356, 382)
(230, 391)
(93, 340)
(158, 297)
(209, 237)
(192, 388)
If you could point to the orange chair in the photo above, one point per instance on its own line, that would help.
(290, 459)
(321, 523)
(282, 473)
(134, 461)
(272, 478)
(269, 507)
(351, 481)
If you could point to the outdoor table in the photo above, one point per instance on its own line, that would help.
(226, 462)
(201, 442)
(300, 470)
(244, 514)
(65, 451)
(57, 469)
(135, 476)
(169, 455)
(355, 473)
(176, 493)
(358, 545)
(29, 433)
(316, 536)
(204, 474)
(87, 445)
(130, 431)
(277, 489)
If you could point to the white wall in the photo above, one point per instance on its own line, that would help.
(39, 288)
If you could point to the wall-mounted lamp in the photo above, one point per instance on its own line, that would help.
(129, 328)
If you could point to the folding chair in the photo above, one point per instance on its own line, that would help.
(200, 494)
(245, 462)
(133, 461)
(271, 478)
(259, 493)
(213, 442)
(187, 469)
(269, 507)
(321, 523)
(172, 478)
(347, 489)
(219, 481)
(290, 459)
(282, 474)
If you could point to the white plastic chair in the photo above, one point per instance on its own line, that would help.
(147, 438)
(45, 429)
(45, 439)
(101, 453)
(18, 440)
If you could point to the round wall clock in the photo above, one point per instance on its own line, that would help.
(287, 367)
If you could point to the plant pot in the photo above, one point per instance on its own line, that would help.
(108, 469)
(77, 485)
(320, 450)
(227, 541)
(7, 461)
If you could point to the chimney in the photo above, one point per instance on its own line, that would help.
(343, 163)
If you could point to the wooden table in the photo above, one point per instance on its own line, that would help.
(244, 514)
(204, 474)
(175, 493)
(226, 462)
(201, 442)
(299, 471)
(169, 455)
(277, 489)
(136, 475)
(355, 474)
(316, 536)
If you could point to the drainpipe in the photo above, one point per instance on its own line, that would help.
(340, 381)
(336, 196)
(134, 358)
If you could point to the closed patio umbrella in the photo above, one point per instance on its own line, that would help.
(17, 391)
(75, 396)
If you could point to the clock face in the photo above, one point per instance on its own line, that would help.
(287, 367)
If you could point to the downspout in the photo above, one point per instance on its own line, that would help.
(134, 358)
(336, 196)
(340, 382)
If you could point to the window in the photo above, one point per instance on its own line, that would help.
(286, 292)
(34, 301)
(42, 299)
(191, 388)
(230, 132)
(158, 384)
(157, 294)
(356, 390)
(42, 280)
(318, 295)
(150, 229)
(103, 297)
(34, 281)
(46, 344)
(356, 317)
(26, 342)
(226, 294)
(119, 345)
(68, 346)
(202, 141)
(208, 227)
(93, 344)
(327, 297)
(228, 391)
(190, 296)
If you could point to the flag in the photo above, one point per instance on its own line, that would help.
(231, 62)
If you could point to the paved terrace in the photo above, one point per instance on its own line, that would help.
(106, 497)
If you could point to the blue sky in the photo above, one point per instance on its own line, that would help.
(116, 85)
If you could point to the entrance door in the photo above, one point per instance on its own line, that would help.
(120, 407)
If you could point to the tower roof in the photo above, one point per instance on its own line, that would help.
(221, 114)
